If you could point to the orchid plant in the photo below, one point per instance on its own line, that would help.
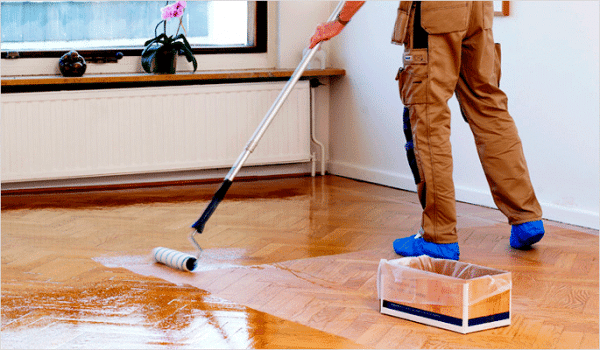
(164, 43)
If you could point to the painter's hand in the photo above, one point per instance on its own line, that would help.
(326, 31)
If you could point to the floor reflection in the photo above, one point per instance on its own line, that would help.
(125, 312)
(142, 314)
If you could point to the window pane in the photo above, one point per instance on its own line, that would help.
(65, 25)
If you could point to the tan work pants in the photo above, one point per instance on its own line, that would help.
(460, 57)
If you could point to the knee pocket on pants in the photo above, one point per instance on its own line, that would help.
(413, 84)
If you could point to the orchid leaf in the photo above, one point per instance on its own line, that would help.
(189, 56)
(148, 56)
(182, 37)
(148, 60)
(156, 39)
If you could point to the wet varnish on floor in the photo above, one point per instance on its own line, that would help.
(288, 263)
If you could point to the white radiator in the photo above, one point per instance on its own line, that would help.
(60, 135)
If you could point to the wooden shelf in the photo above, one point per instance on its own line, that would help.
(143, 78)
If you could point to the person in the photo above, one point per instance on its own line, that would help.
(449, 49)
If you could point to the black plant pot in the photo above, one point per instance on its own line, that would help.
(165, 62)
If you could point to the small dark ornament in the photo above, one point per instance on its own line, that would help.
(72, 64)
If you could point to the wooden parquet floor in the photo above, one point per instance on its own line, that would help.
(288, 263)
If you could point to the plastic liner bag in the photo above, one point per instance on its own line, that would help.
(447, 291)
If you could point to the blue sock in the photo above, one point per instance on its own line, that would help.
(522, 236)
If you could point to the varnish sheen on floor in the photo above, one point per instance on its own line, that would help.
(288, 263)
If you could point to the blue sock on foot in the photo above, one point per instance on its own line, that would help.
(415, 245)
(522, 236)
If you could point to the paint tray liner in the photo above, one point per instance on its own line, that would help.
(449, 294)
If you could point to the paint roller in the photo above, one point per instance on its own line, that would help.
(174, 259)
(186, 262)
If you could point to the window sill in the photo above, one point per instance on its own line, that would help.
(105, 81)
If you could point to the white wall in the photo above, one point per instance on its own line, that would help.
(296, 22)
(550, 74)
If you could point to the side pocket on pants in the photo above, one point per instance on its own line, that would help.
(412, 83)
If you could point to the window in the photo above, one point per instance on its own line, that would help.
(50, 28)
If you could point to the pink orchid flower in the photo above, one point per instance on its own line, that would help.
(173, 11)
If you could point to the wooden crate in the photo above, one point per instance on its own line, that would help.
(449, 294)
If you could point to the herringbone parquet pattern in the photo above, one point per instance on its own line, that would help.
(288, 263)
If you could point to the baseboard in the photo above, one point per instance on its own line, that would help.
(465, 194)
(571, 216)
(386, 178)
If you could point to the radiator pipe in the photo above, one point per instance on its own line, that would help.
(314, 83)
